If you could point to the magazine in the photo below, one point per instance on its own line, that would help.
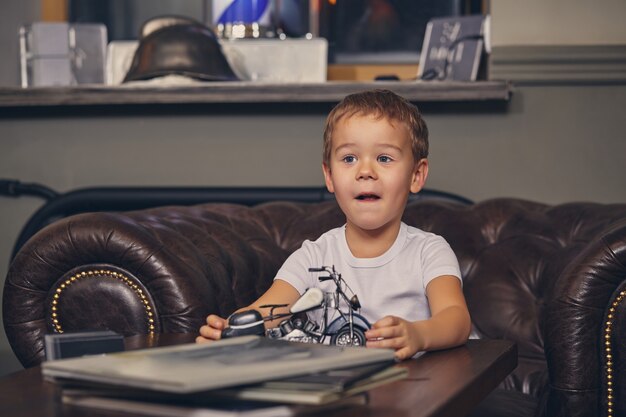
(309, 395)
(201, 367)
(315, 389)
(334, 379)
(169, 408)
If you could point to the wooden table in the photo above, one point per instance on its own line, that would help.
(440, 384)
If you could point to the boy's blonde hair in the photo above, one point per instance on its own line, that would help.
(380, 104)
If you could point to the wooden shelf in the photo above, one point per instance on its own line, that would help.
(248, 92)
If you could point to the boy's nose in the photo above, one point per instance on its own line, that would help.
(366, 170)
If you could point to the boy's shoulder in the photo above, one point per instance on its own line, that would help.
(331, 241)
(416, 232)
(415, 235)
(328, 237)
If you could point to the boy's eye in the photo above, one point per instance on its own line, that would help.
(349, 159)
(384, 159)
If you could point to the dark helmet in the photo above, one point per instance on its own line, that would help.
(186, 48)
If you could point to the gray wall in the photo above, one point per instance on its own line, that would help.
(554, 143)
(558, 22)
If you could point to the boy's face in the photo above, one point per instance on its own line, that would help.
(372, 171)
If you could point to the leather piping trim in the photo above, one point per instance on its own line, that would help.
(98, 273)
(608, 352)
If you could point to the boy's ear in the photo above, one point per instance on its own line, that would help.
(328, 178)
(419, 175)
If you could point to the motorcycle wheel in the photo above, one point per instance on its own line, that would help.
(342, 337)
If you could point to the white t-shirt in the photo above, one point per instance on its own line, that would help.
(391, 284)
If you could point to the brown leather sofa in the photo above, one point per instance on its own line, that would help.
(550, 278)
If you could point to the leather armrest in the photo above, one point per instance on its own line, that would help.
(584, 325)
(154, 270)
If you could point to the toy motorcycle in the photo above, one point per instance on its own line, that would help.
(348, 329)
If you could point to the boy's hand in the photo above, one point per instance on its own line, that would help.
(212, 330)
(395, 333)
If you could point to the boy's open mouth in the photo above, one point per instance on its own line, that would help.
(367, 197)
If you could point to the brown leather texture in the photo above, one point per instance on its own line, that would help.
(550, 278)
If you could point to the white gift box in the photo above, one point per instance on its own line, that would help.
(264, 60)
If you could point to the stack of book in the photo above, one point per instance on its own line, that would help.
(245, 376)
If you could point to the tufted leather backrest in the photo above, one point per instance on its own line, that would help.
(526, 269)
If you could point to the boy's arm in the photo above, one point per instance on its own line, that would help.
(448, 326)
(450, 323)
(280, 292)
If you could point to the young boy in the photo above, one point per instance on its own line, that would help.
(408, 281)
